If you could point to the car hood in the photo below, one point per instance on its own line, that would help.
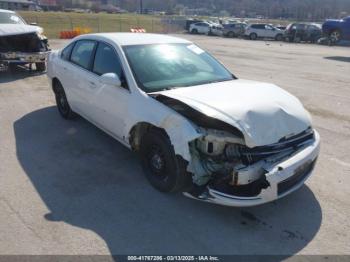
(16, 29)
(263, 112)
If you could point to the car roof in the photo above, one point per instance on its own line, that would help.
(6, 11)
(124, 39)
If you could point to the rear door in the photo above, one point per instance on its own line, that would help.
(259, 29)
(80, 65)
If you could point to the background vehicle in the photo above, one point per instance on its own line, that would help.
(215, 29)
(189, 22)
(337, 29)
(234, 29)
(152, 93)
(255, 31)
(21, 43)
(200, 28)
(305, 32)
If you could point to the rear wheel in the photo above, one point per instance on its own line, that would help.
(62, 103)
(164, 170)
(231, 34)
(40, 67)
(253, 36)
(194, 31)
(279, 37)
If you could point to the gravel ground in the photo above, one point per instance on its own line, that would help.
(68, 188)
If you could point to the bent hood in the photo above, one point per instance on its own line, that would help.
(263, 112)
(16, 29)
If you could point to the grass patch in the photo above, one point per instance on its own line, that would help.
(55, 22)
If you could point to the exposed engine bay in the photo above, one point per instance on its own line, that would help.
(26, 43)
(26, 48)
(222, 161)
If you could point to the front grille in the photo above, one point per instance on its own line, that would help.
(252, 155)
(299, 175)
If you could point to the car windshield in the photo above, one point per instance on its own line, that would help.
(166, 66)
(10, 18)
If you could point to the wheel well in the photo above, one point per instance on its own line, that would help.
(138, 131)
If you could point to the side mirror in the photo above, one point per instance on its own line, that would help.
(111, 79)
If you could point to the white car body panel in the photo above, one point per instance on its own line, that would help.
(263, 112)
(263, 33)
(17, 29)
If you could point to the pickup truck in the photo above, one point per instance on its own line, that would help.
(337, 29)
(20, 43)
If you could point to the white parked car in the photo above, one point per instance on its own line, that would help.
(200, 28)
(255, 31)
(206, 28)
(196, 127)
(21, 43)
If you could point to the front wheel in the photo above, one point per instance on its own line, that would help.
(164, 170)
(279, 37)
(194, 31)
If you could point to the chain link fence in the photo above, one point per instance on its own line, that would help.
(53, 23)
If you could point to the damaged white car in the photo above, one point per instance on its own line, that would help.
(197, 128)
(20, 43)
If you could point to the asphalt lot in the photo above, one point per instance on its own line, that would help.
(68, 188)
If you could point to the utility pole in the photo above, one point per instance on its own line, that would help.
(141, 7)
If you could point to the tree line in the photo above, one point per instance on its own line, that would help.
(292, 9)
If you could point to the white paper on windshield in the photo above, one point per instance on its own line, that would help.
(195, 49)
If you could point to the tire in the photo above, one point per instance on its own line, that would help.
(62, 103)
(194, 31)
(279, 37)
(165, 171)
(231, 34)
(40, 67)
(336, 35)
(253, 36)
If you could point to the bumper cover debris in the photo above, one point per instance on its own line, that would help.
(283, 177)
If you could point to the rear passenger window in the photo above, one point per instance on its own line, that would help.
(258, 26)
(66, 52)
(106, 61)
(82, 53)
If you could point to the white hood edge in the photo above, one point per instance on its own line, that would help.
(16, 29)
(263, 112)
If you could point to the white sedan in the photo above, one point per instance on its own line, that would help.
(196, 127)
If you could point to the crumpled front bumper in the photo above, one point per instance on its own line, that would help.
(20, 57)
(284, 178)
